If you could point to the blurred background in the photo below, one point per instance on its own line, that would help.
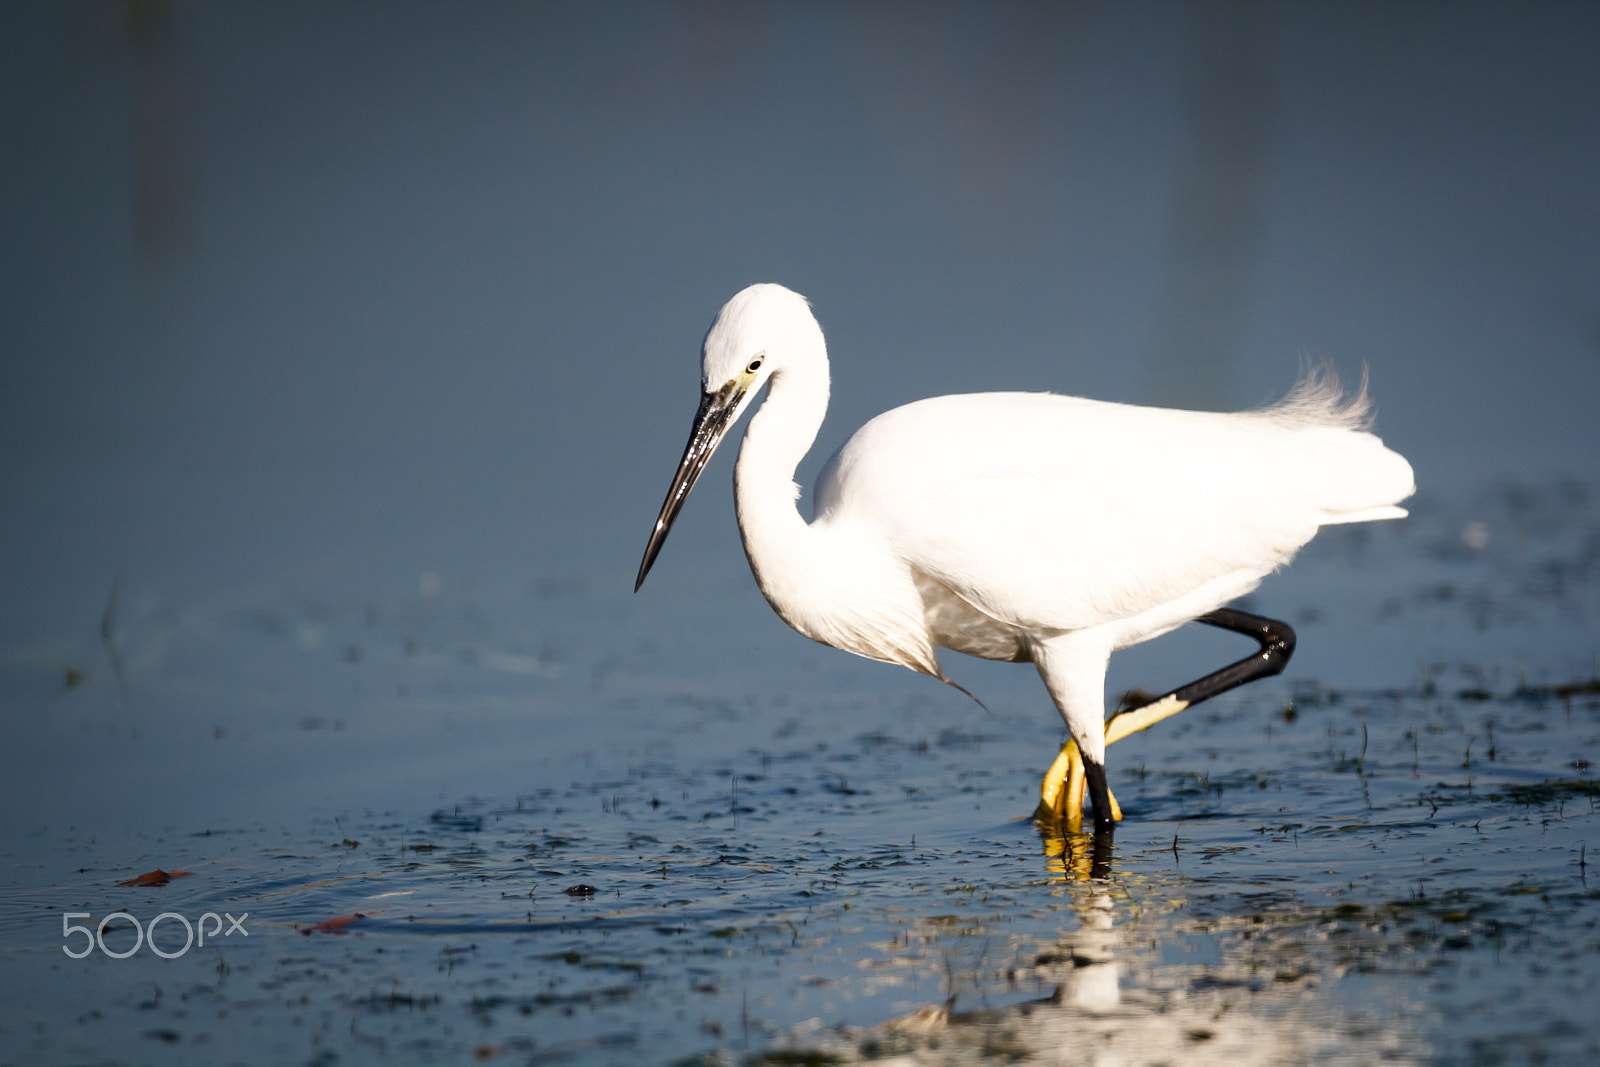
(377, 303)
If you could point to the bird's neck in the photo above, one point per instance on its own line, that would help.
(780, 545)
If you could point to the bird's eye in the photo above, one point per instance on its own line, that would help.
(755, 365)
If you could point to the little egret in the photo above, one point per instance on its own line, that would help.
(1026, 527)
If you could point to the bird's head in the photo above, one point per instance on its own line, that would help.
(760, 332)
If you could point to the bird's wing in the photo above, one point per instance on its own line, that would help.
(1052, 512)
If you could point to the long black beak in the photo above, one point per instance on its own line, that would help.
(710, 423)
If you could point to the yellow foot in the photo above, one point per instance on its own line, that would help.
(1062, 791)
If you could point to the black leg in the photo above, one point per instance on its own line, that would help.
(1099, 796)
(1277, 645)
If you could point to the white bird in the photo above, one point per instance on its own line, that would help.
(1027, 527)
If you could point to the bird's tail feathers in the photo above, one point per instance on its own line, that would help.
(1318, 399)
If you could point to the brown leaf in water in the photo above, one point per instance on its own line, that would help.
(156, 877)
(333, 926)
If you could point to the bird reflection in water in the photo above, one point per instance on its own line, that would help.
(1074, 855)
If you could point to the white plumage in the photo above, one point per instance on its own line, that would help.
(1017, 526)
